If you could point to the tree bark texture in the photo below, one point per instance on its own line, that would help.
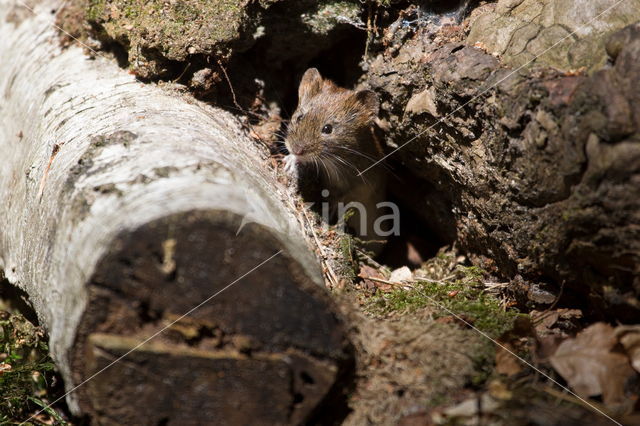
(122, 207)
(537, 171)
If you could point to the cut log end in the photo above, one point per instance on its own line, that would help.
(269, 345)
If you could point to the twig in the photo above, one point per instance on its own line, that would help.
(380, 280)
(555, 302)
(369, 30)
(369, 258)
(182, 73)
(233, 93)
(333, 279)
(569, 398)
(547, 312)
(442, 281)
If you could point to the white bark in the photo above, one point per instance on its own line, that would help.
(186, 156)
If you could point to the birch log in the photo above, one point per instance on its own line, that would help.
(122, 208)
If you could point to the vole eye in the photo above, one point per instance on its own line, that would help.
(327, 129)
(297, 118)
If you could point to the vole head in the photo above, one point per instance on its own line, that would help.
(332, 126)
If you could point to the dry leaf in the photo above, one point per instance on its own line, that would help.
(44, 419)
(4, 367)
(473, 407)
(511, 342)
(480, 45)
(547, 346)
(460, 320)
(499, 390)
(401, 274)
(556, 322)
(367, 272)
(506, 363)
(629, 337)
(590, 366)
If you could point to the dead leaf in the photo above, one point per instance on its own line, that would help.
(473, 407)
(512, 342)
(499, 390)
(44, 419)
(556, 322)
(547, 346)
(574, 72)
(401, 274)
(629, 337)
(367, 272)
(506, 363)
(423, 102)
(591, 367)
(540, 295)
(480, 45)
(414, 256)
(460, 320)
(420, 418)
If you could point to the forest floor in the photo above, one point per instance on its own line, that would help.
(444, 343)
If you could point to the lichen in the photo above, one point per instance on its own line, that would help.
(328, 15)
(157, 31)
(559, 33)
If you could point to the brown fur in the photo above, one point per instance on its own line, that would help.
(351, 146)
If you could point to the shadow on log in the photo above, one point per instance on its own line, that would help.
(123, 208)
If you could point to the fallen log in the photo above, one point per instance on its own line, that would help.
(533, 172)
(123, 208)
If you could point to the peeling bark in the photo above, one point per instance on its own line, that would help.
(123, 207)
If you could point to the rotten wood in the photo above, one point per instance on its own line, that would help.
(534, 173)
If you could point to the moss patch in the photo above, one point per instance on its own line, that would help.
(156, 32)
(25, 369)
(462, 295)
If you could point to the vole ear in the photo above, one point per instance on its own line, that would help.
(369, 100)
(310, 85)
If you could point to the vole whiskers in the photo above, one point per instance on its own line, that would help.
(335, 130)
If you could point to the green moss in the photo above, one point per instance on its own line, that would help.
(26, 366)
(157, 31)
(456, 292)
(472, 272)
(94, 9)
(483, 363)
(463, 297)
(347, 250)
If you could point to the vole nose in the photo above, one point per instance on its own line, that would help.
(297, 150)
